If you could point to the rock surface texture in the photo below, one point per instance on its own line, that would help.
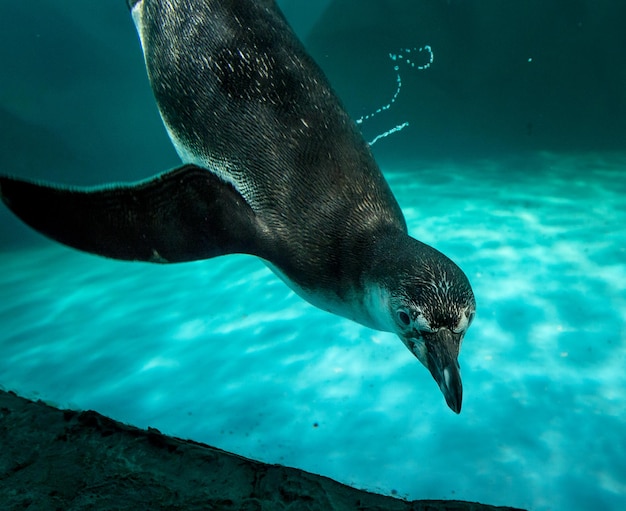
(59, 459)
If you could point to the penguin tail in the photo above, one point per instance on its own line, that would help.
(182, 215)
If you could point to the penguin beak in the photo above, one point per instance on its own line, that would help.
(442, 348)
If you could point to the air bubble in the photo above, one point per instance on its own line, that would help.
(396, 57)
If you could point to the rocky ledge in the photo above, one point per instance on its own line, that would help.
(54, 459)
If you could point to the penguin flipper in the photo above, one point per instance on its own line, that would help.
(182, 215)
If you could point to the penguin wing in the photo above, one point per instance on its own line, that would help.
(182, 215)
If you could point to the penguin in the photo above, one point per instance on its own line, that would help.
(272, 166)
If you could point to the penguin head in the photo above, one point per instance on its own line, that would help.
(436, 344)
(430, 305)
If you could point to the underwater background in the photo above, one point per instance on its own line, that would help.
(513, 164)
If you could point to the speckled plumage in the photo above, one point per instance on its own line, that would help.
(274, 167)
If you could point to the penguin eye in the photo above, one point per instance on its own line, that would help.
(403, 317)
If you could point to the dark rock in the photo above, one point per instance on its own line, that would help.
(59, 459)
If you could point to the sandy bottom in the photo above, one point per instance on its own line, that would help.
(223, 353)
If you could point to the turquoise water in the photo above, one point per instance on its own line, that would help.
(513, 165)
(222, 352)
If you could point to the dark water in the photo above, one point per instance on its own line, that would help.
(512, 164)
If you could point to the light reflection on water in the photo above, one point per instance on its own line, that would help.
(222, 352)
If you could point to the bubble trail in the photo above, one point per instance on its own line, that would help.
(404, 55)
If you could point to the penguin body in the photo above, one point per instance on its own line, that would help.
(273, 167)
